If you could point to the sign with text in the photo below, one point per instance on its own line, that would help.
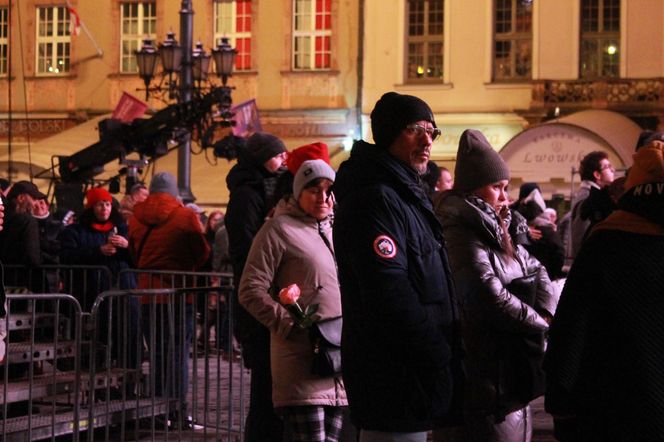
(550, 151)
(38, 127)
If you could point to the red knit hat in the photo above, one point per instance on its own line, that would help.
(314, 151)
(96, 194)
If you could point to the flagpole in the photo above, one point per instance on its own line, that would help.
(100, 52)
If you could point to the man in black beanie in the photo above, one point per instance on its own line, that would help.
(252, 183)
(400, 347)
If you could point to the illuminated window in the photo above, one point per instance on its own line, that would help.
(600, 38)
(4, 42)
(137, 21)
(513, 40)
(53, 40)
(424, 57)
(312, 34)
(232, 19)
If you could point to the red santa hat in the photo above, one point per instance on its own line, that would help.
(314, 151)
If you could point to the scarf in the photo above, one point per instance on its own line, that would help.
(102, 227)
(488, 210)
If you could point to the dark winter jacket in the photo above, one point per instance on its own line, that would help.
(492, 314)
(80, 245)
(398, 343)
(49, 230)
(252, 197)
(549, 250)
(19, 240)
(606, 348)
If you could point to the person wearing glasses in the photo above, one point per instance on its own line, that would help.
(400, 344)
(295, 247)
(596, 172)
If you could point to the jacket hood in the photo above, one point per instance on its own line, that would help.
(156, 209)
(370, 165)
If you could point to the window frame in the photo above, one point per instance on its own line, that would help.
(603, 39)
(4, 41)
(135, 41)
(427, 40)
(60, 44)
(514, 37)
(310, 53)
(241, 40)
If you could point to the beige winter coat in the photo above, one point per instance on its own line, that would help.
(289, 249)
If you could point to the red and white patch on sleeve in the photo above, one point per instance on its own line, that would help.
(385, 247)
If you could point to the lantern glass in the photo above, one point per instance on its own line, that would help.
(201, 63)
(171, 54)
(224, 59)
(146, 59)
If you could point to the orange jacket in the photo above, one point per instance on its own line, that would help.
(175, 243)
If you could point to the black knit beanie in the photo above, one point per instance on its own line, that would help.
(477, 164)
(262, 146)
(393, 112)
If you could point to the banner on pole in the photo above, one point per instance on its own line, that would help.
(129, 108)
(247, 120)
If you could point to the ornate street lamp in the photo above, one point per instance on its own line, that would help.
(201, 63)
(171, 54)
(186, 71)
(224, 59)
(146, 59)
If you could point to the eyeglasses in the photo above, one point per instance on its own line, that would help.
(419, 130)
(608, 166)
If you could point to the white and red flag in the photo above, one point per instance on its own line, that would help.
(74, 21)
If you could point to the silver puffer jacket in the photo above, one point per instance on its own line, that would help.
(491, 315)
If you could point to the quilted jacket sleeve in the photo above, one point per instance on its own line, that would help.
(482, 290)
(262, 263)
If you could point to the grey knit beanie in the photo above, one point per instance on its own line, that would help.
(164, 182)
(309, 171)
(393, 112)
(477, 164)
(262, 146)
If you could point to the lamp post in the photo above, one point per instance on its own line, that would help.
(179, 61)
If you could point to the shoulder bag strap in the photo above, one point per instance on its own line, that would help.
(142, 244)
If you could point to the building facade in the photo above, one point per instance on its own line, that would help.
(316, 68)
(65, 62)
(505, 65)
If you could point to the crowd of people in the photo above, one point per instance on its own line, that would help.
(458, 309)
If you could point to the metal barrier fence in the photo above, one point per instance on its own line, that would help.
(83, 282)
(201, 300)
(41, 373)
(124, 371)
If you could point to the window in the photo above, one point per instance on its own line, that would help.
(513, 40)
(137, 21)
(232, 19)
(53, 40)
(600, 38)
(425, 40)
(312, 33)
(4, 42)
